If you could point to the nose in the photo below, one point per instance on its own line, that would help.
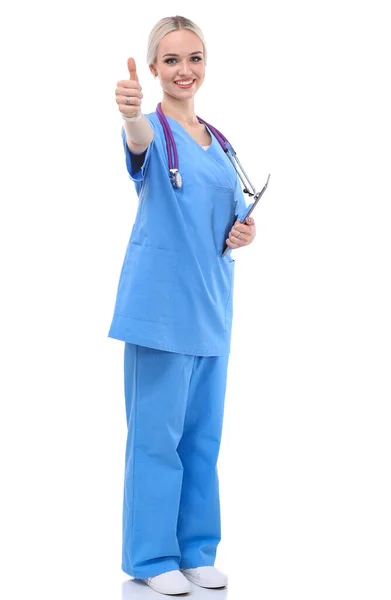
(184, 68)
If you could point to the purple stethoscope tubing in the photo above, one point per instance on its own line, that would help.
(173, 163)
(172, 153)
(170, 138)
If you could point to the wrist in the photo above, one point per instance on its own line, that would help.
(132, 119)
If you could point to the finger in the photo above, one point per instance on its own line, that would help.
(230, 244)
(126, 91)
(242, 240)
(243, 228)
(129, 84)
(243, 234)
(130, 102)
(132, 69)
(235, 239)
(248, 221)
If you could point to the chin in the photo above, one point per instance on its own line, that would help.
(182, 96)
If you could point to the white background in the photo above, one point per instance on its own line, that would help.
(301, 90)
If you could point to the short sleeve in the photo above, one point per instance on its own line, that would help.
(137, 160)
(136, 167)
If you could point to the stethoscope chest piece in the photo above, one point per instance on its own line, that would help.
(176, 178)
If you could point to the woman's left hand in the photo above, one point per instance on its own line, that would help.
(245, 231)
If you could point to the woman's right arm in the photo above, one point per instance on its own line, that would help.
(139, 134)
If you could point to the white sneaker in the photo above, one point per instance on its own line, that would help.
(171, 582)
(208, 577)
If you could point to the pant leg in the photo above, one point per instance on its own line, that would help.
(199, 518)
(156, 391)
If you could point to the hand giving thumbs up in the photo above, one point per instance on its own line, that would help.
(128, 93)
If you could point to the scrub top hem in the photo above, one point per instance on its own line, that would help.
(118, 334)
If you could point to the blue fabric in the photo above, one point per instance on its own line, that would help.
(171, 508)
(175, 289)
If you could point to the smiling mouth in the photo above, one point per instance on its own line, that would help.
(186, 83)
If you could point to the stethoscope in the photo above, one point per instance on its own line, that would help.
(172, 153)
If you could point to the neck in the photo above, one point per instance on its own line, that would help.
(180, 110)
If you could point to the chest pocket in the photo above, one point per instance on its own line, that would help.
(146, 282)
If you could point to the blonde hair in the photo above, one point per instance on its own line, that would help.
(165, 26)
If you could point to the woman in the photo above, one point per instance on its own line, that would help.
(174, 311)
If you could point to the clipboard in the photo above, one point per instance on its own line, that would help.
(250, 209)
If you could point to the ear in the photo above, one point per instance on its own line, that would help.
(153, 70)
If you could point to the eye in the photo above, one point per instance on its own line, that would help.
(171, 61)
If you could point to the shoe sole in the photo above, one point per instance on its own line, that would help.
(211, 587)
(161, 591)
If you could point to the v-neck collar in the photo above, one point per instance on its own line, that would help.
(213, 155)
(213, 139)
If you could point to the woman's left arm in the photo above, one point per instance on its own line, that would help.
(246, 232)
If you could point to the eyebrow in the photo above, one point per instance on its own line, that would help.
(172, 54)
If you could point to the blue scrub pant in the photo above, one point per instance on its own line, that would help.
(174, 412)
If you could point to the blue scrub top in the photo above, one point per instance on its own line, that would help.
(175, 289)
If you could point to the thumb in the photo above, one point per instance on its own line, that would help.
(132, 69)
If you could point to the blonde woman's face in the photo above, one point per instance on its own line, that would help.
(180, 64)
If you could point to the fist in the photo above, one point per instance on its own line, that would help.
(128, 92)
